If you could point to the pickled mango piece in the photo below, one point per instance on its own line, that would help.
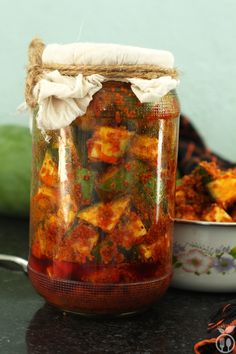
(223, 190)
(216, 213)
(156, 246)
(146, 251)
(43, 202)
(158, 251)
(144, 148)
(129, 231)
(49, 171)
(38, 246)
(85, 181)
(46, 197)
(119, 179)
(77, 246)
(144, 197)
(108, 144)
(47, 236)
(105, 215)
(132, 226)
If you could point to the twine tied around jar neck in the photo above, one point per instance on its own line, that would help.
(36, 68)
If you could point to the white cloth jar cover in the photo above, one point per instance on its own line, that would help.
(63, 98)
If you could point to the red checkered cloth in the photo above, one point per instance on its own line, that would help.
(192, 149)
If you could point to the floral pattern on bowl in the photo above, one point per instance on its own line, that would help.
(197, 259)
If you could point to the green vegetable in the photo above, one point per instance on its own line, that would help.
(85, 179)
(151, 191)
(147, 195)
(119, 179)
(15, 170)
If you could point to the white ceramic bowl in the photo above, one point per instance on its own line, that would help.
(204, 256)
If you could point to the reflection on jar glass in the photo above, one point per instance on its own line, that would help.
(102, 204)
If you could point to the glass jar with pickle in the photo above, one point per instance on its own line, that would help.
(102, 204)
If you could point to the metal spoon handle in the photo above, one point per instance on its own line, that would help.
(20, 261)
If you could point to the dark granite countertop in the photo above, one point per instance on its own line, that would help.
(28, 325)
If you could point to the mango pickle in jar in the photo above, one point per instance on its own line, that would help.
(102, 203)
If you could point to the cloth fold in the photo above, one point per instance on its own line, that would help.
(62, 99)
(152, 90)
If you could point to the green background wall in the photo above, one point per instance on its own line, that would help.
(200, 33)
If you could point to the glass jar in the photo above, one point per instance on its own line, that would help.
(102, 205)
